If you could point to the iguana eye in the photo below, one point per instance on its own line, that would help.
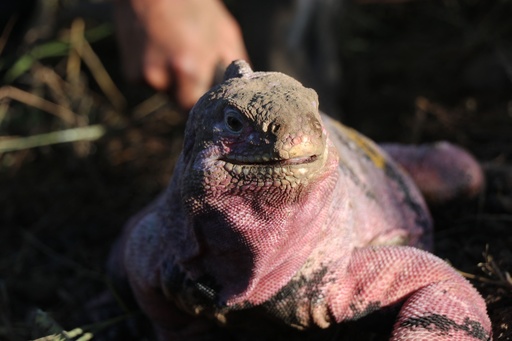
(233, 121)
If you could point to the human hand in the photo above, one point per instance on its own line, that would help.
(177, 44)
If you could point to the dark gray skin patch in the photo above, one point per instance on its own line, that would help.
(443, 324)
(370, 308)
(283, 305)
(208, 289)
(422, 218)
(205, 289)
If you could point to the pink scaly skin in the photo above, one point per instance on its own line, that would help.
(279, 218)
(443, 172)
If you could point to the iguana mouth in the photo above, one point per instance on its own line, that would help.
(268, 172)
(265, 161)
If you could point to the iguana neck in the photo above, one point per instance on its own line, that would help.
(248, 245)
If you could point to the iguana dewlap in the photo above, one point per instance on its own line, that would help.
(278, 214)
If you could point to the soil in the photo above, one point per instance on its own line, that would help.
(413, 72)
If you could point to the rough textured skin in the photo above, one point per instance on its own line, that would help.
(279, 219)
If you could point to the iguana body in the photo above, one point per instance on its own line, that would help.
(279, 218)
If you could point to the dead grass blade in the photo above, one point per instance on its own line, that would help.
(150, 105)
(27, 98)
(89, 133)
(48, 325)
(76, 38)
(56, 86)
(490, 267)
(45, 322)
(4, 108)
(100, 74)
(50, 49)
(26, 61)
(496, 275)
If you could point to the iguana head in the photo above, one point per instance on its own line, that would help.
(256, 131)
(258, 169)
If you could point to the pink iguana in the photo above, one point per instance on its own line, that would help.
(278, 218)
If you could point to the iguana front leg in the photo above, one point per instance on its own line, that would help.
(437, 303)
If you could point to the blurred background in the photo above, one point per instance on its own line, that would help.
(81, 149)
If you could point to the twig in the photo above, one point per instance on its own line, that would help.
(483, 279)
(4, 108)
(88, 133)
(45, 322)
(55, 84)
(150, 105)
(101, 76)
(76, 38)
(439, 112)
(35, 101)
(492, 268)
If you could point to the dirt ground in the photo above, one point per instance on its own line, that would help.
(413, 72)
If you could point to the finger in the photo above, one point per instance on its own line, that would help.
(193, 80)
(156, 70)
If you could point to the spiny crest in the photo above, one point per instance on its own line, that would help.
(265, 98)
(238, 69)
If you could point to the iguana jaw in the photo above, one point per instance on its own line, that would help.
(273, 165)
(268, 160)
(264, 171)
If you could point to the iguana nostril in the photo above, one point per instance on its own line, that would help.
(274, 128)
